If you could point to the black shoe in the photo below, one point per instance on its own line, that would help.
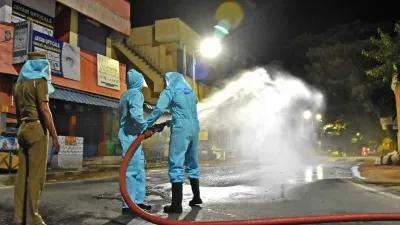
(196, 192)
(144, 207)
(176, 202)
(128, 211)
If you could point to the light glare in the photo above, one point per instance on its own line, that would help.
(210, 47)
(307, 114)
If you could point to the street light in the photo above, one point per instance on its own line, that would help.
(307, 114)
(318, 117)
(209, 48)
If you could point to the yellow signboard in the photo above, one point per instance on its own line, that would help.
(70, 140)
(107, 72)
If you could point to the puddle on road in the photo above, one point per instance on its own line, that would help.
(253, 185)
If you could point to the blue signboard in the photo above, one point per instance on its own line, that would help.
(64, 58)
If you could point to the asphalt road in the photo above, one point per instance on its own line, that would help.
(230, 192)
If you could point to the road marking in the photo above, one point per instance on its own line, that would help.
(374, 190)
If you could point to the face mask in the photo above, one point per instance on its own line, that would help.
(50, 88)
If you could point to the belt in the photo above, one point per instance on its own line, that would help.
(31, 121)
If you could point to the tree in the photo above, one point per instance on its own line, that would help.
(333, 62)
(385, 50)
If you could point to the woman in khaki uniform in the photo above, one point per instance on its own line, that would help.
(35, 120)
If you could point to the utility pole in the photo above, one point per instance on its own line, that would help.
(194, 73)
(184, 60)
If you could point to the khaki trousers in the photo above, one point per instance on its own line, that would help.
(33, 140)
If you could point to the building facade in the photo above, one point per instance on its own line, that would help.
(167, 45)
(91, 47)
(88, 80)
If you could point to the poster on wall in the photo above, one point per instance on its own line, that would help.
(21, 42)
(8, 143)
(41, 22)
(64, 58)
(107, 72)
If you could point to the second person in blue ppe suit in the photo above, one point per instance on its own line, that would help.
(132, 124)
(183, 147)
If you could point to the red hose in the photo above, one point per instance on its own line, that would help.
(287, 220)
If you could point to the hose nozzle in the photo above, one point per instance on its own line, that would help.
(158, 127)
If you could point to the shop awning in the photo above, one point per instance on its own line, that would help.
(70, 95)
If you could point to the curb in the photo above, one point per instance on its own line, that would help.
(376, 182)
(364, 180)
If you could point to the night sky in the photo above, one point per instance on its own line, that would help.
(268, 24)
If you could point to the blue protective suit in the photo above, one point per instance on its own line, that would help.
(36, 69)
(131, 125)
(183, 147)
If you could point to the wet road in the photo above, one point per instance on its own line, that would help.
(231, 192)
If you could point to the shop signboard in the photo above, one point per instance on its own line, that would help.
(47, 7)
(64, 58)
(21, 42)
(107, 72)
(41, 22)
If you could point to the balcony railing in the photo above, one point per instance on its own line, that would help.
(138, 51)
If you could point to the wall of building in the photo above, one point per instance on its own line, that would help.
(88, 62)
(88, 81)
(163, 41)
(63, 24)
(6, 88)
(114, 14)
(6, 48)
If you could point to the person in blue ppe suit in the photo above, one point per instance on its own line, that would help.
(183, 147)
(132, 124)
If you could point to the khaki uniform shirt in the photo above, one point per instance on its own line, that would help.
(28, 95)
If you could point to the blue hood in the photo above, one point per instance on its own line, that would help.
(177, 81)
(36, 69)
(134, 80)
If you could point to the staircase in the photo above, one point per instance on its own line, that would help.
(139, 59)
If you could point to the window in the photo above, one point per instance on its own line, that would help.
(92, 35)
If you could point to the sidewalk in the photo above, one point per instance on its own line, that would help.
(94, 171)
(380, 175)
(347, 159)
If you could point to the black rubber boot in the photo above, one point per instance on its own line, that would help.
(196, 192)
(176, 203)
(144, 207)
(128, 211)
